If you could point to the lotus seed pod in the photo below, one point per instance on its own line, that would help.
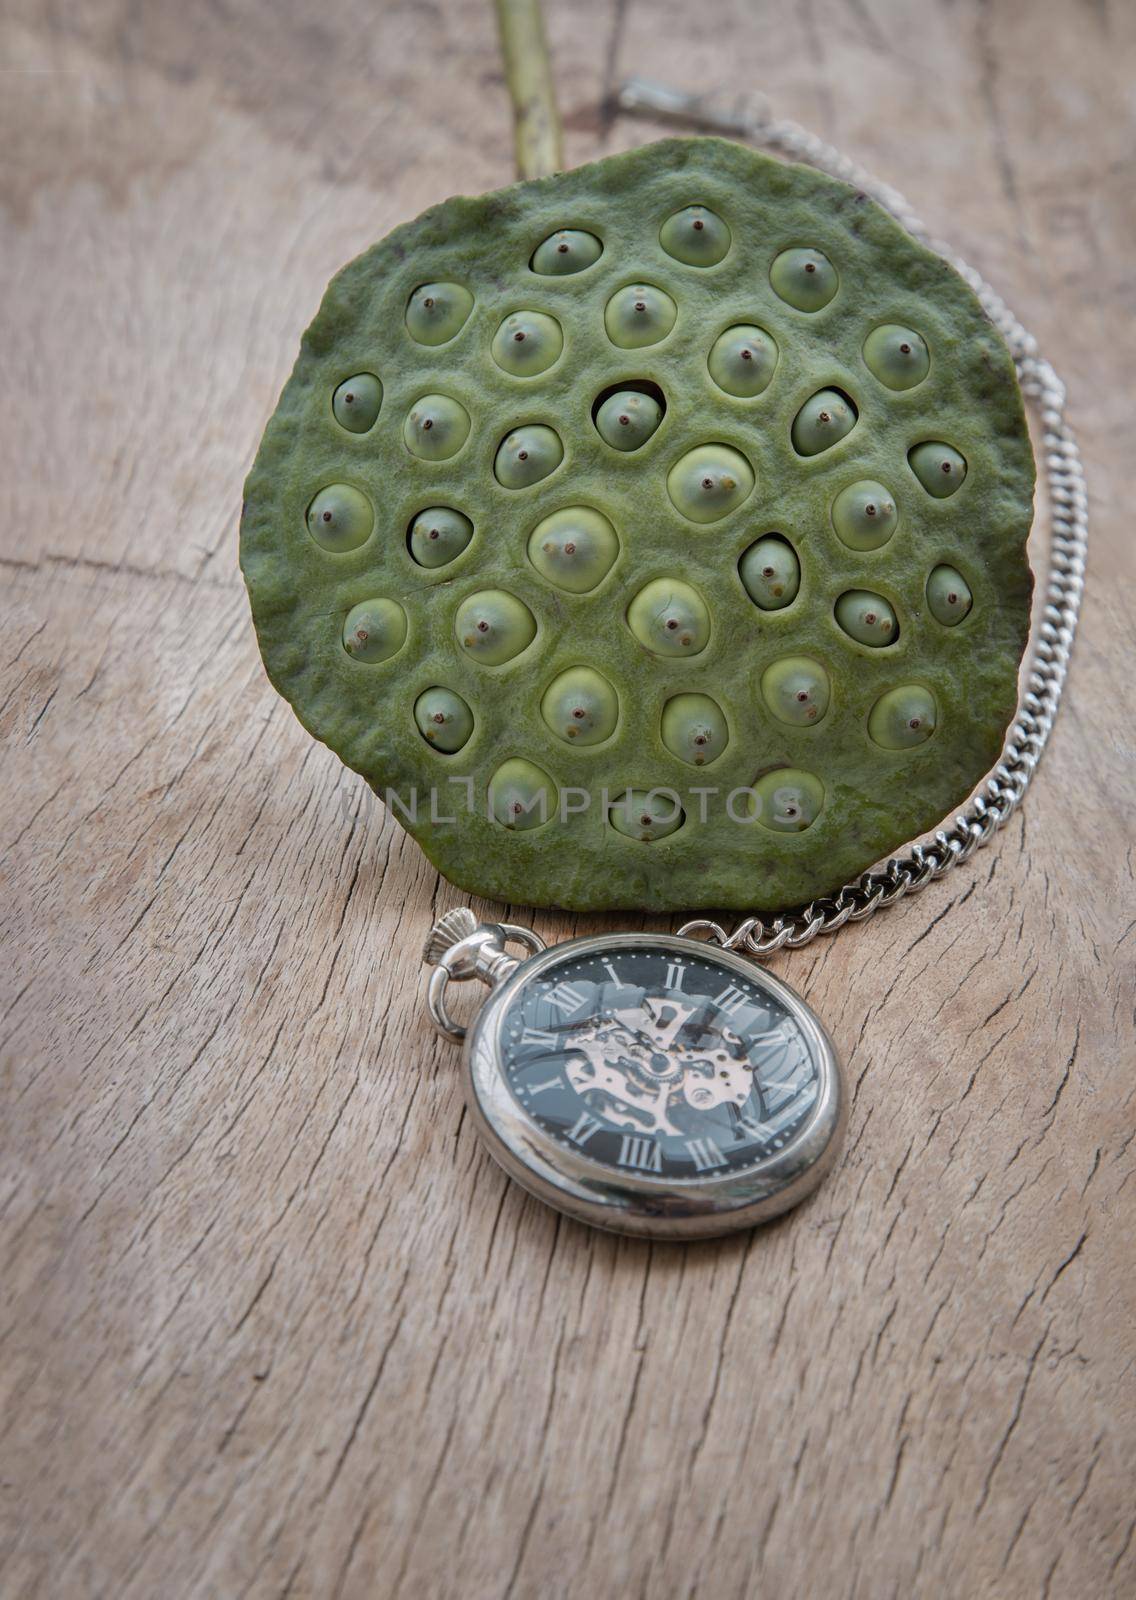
(444, 719)
(696, 236)
(939, 468)
(896, 356)
(340, 518)
(709, 482)
(694, 729)
(903, 717)
(864, 515)
(948, 596)
(669, 618)
(436, 428)
(787, 800)
(494, 626)
(566, 252)
(822, 422)
(639, 315)
(771, 573)
(796, 690)
(580, 706)
(374, 630)
(628, 419)
(436, 312)
(528, 343)
(521, 796)
(355, 404)
(743, 360)
(867, 618)
(438, 535)
(574, 549)
(527, 455)
(646, 815)
(805, 279)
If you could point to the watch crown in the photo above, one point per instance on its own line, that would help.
(449, 930)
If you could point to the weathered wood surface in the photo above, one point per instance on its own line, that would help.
(273, 1325)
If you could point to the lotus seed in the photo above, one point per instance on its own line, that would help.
(639, 315)
(743, 360)
(566, 252)
(694, 729)
(903, 718)
(867, 618)
(898, 357)
(444, 719)
(374, 630)
(494, 626)
(822, 422)
(787, 800)
(939, 469)
(355, 404)
(438, 535)
(436, 312)
(574, 548)
(340, 518)
(436, 428)
(527, 455)
(771, 573)
(709, 482)
(864, 515)
(696, 236)
(521, 796)
(626, 420)
(669, 618)
(805, 279)
(796, 690)
(645, 814)
(948, 596)
(527, 343)
(580, 706)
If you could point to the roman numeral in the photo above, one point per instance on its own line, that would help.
(705, 1154)
(583, 1128)
(731, 1000)
(615, 978)
(565, 998)
(675, 975)
(549, 1083)
(641, 1153)
(538, 1036)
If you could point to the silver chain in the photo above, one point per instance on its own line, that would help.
(1052, 640)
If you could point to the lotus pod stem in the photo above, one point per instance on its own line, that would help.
(528, 72)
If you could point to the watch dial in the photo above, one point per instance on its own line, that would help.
(659, 1062)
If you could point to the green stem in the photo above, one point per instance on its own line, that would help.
(528, 72)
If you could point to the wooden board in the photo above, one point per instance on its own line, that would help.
(272, 1324)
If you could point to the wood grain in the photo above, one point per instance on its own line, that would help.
(272, 1324)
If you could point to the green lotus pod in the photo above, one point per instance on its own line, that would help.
(903, 718)
(494, 626)
(527, 455)
(340, 518)
(639, 315)
(822, 422)
(897, 356)
(438, 536)
(355, 403)
(527, 343)
(522, 796)
(939, 468)
(787, 800)
(669, 618)
(948, 596)
(627, 419)
(864, 515)
(743, 360)
(574, 549)
(694, 729)
(444, 719)
(709, 482)
(695, 236)
(580, 706)
(646, 814)
(796, 689)
(805, 279)
(868, 618)
(436, 427)
(437, 312)
(565, 252)
(374, 630)
(771, 573)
